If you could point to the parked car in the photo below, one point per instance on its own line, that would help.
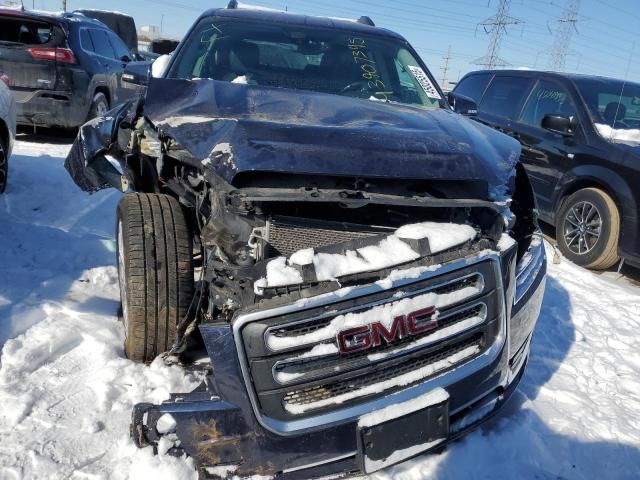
(119, 23)
(365, 289)
(125, 27)
(7, 128)
(64, 68)
(580, 138)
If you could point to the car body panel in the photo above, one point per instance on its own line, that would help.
(280, 130)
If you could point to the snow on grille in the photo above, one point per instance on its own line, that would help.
(383, 313)
(411, 371)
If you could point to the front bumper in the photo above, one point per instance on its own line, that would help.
(221, 428)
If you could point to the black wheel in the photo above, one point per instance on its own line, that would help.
(99, 106)
(155, 270)
(588, 228)
(4, 166)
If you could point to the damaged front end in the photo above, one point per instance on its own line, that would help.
(342, 269)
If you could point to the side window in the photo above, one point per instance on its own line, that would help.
(547, 98)
(119, 47)
(101, 43)
(85, 40)
(408, 91)
(505, 96)
(473, 86)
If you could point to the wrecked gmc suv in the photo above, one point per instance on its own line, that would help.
(354, 270)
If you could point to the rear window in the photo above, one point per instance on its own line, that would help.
(504, 96)
(25, 31)
(473, 86)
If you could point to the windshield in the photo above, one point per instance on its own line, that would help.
(614, 107)
(321, 60)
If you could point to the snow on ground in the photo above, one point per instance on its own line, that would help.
(66, 389)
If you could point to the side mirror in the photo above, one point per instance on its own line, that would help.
(558, 124)
(137, 73)
(463, 105)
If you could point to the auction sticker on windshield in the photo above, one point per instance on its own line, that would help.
(424, 82)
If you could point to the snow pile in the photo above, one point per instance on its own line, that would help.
(184, 120)
(441, 236)
(242, 79)
(392, 250)
(66, 389)
(618, 135)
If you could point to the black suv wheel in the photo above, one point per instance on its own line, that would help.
(588, 228)
(155, 270)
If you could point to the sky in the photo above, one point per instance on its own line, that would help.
(604, 42)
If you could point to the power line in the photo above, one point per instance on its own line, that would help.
(445, 68)
(562, 41)
(496, 28)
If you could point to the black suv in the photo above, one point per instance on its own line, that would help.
(365, 289)
(580, 138)
(63, 68)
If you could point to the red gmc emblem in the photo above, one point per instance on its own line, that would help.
(370, 336)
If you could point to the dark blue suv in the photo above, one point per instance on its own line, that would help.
(369, 269)
(63, 68)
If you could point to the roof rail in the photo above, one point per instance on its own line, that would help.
(366, 21)
(233, 4)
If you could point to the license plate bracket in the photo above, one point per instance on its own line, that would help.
(395, 440)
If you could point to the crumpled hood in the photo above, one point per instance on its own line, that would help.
(235, 128)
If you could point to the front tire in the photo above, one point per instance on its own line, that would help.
(588, 229)
(155, 270)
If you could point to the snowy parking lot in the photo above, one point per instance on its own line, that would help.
(66, 389)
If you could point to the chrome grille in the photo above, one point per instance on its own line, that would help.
(299, 369)
(313, 398)
(311, 326)
(306, 377)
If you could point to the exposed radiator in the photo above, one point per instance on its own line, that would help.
(287, 235)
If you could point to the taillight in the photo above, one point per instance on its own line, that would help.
(4, 78)
(60, 54)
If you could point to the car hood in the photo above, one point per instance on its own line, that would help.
(238, 128)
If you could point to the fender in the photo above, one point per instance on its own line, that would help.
(88, 162)
(98, 80)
